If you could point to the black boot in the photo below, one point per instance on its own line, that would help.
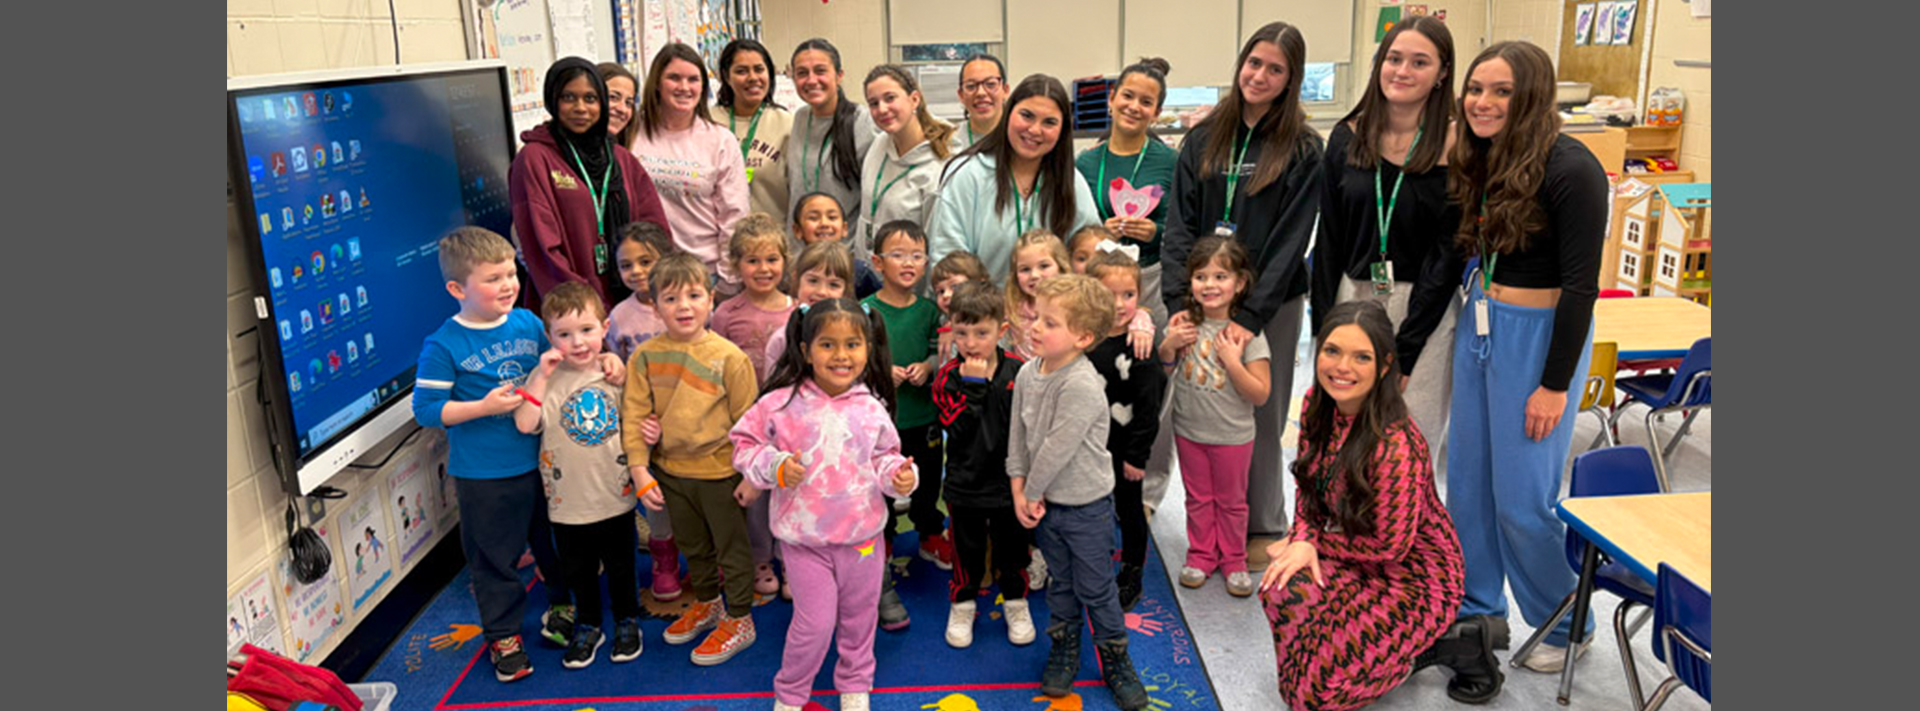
(1477, 676)
(1122, 680)
(1497, 630)
(1063, 661)
(1129, 584)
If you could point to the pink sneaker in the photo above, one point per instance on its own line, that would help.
(765, 582)
(666, 569)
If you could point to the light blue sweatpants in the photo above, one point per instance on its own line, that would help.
(1501, 485)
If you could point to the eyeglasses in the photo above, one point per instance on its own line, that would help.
(571, 98)
(908, 257)
(974, 87)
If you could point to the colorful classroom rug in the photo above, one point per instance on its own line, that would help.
(439, 661)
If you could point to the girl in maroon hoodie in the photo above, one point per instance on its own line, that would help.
(572, 188)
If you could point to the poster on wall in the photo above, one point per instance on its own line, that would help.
(716, 30)
(683, 21)
(573, 34)
(1582, 23)
(314, 610)
(1623, 21)
(626, 35)
(653, 33)
(518, 31)
(1603, 23)
(363, 541)
(408, 496)
(251, 618)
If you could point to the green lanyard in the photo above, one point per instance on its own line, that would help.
(753, 127)
(1492, 260)
(599, 196)
(1019, 214)
(1233, 177)
(873, 206)
(1100, 184)
(825, 141)
(969, 132)
(1384, 212)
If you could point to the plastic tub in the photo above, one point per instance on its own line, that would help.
(376, 695)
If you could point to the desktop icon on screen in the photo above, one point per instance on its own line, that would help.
(319, 156)
(369, 341)
(299, 159)
(256, 169)
(266, 223)
(346, 306)
(286, 330)
(326, 205)
(326, 101)
(311, 102)
(353, 248)
(277, 163)
(339, 255)
(266, 109)
(339, 155)
(319, 262)
(315, 369)
(326, 312)
(346, 101)
(291, 108)
(346, 202)
(353, 351)
(333, 361)
(286, 217)
(293, 381)
(353, 149)
(306, 214)
(363, 196)
(297, 272)
(274, 275)
(306, 320)
(360, 295)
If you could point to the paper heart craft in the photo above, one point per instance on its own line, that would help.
(1129, 201)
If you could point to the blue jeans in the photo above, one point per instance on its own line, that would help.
(1077, 543)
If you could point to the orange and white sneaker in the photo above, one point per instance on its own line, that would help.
(703, 616)
(733, 634)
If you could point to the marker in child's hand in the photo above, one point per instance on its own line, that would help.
(530, 398)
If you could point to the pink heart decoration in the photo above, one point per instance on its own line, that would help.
(1129, 201)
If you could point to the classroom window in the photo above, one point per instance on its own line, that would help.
(946, 52)
(1318, 83)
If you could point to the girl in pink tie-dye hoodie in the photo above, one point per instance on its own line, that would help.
(821, 437)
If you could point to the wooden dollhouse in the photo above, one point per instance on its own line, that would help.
(1662, 243)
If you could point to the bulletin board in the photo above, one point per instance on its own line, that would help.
(1612, 69)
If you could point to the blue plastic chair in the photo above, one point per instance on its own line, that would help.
(1689, 388)
(1683, 636)
(1614, 471)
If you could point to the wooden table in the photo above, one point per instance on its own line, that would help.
(1640, 532)
(1651, 326)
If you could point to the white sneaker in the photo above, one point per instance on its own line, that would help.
(960, 624)
(777, 706)
(1549, 659)
(1019, 622)
(1037, 572)
(853, 701)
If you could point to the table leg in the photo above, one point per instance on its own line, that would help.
(1582, 597)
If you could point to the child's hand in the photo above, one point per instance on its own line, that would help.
(650, 430)
(1142, 342)
(945, 347)
(791, 473)
(613, 369)
(745, 494)
(651, 497)
(903, 479)
(1029, 513)
(502, 400)
(1229, 348)
(917, 373)
(975, 368)
(1180, 334)
(550, 360)
(1132, 472)
(899, 375)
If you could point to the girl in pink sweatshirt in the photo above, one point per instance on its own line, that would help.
(694, 161)
(822, 438)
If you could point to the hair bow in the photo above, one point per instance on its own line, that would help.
(1132, 251)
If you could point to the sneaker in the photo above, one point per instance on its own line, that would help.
(586, 643)
(666, 569)
(727, 639)
(1549, 659)
(1019, 622)
(702, 616)
(893, 613)
(510, 662)
(853, 701)
(1191, 577)
(1239, 584)
(937, 550)
(778, 706)
(626, 640)
(765, 582)
(556, 624)
(960, 624)
(1037, 571)
(1116, 669)
(1063, 660)
(1130, 586)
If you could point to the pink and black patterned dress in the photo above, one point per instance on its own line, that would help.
(1388, 595)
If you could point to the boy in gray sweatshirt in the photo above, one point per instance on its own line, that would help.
(1062, 481)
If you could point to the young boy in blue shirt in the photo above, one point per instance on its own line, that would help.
(466, 381)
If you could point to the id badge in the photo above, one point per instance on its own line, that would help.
(1223, 229)
(1382, 278)
(600, 258)
(1480, 316)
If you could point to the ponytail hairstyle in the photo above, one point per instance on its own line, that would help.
(1316, 468)
(652, 115)
(1282, 129)
(727, 55)
(1369, 117)
(807, 322)
(1233, 256)
(937, 132)
(846, 165)
(1506, 170)
(1154, 68)
(1057, 176)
